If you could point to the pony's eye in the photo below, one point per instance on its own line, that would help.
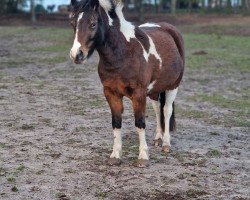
(93, 25)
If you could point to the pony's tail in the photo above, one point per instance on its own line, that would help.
(172, 123)
(162, 100)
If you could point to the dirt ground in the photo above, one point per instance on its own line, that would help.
(56, 136)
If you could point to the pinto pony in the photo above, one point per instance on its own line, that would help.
(135, 62)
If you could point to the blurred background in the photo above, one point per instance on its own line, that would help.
(139, 10)
(55, 124)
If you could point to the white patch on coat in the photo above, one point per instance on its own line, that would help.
(127, 29)
(105, 4)
(117, 146)
(151, 86)
(149, 25)
(110, 19)
(168, 109)
(156, 107)
(152, 51)
(143, 149)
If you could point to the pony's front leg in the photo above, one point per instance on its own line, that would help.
(139, 106)
(116, 106)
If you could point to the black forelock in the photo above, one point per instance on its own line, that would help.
(80, 6)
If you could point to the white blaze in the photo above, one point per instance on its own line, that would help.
(76, 44)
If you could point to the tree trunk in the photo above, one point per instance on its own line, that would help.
(229, 5)
(161, 6)
(140, 9)
(173, 7)
(32, 10)
(203, 4)
(189, 5)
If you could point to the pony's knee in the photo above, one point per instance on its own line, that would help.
(116, 122)
(140, 122)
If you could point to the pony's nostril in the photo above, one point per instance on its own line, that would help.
(79, 55)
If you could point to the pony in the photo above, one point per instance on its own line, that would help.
(136, 62)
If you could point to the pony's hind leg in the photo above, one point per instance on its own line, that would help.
(168, 111)
(158, 136)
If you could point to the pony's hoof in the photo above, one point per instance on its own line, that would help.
(114, 161)
(166, 149)
(158, 142)
(142, 163)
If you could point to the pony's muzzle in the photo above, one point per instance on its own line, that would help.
(79, 56)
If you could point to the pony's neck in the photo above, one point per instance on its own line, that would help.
(118, 33)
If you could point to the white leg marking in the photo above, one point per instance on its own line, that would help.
(149, 25)
(168, 109)
(156, 106)
(117, 146)
(143, 149)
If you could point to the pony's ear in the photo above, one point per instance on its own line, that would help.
(73, 2)
(94, 4)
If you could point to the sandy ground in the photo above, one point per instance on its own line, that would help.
(56, 136)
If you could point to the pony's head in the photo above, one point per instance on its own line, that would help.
(88, 27)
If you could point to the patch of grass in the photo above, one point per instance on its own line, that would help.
(3, 87)
(20, 79)
(80, 129)
(191, 113)
(100, 194)
(61, 47)
(238, 108)
(194, 193)
(214, 133)
(39, 172)
(2, 145)
(54, 60)
(6, 32)
(20, 168)
(213, 153)
(225, 54)
(27, 127)
(11, 179)
(219, 100)
(14, 189)
(179, 156)
(96, 103)
(131, 147)
(3, 171)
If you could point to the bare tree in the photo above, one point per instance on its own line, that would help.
(173, 7)
(32, 11)
(140, 10)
